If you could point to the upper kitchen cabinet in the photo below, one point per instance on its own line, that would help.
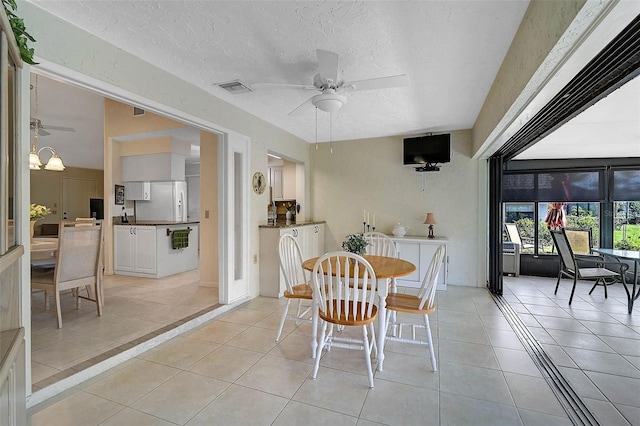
(164, 166)
(282, 179)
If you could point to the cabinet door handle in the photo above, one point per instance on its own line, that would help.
(131, 231)
(134, 231)
(295, 232)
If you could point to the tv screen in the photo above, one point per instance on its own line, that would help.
(427, 149)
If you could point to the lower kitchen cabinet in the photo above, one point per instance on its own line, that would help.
(135, 249)
(310, 238)
(147, 250)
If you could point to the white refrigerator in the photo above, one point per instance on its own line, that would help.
(168, 202)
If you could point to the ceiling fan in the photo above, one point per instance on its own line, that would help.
(331, 97)
(42, 128)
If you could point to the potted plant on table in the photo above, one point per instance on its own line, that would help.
(355, 243)
(37, 211)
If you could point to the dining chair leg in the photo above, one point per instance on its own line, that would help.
(432, 355)
(372, 345)
(558, 282)
(314, 329)
(284, 317)
(321, 344)
(573, 289)
(56, 296)
(367, 355)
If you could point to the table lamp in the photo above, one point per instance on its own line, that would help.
(430, 220)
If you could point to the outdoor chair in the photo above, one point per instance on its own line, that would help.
(580, 239)
(514, 236)
(571, 266)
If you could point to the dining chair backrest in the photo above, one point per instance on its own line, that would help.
(333, 276)
(427, 293)
(79, 253)
(580, 240)
(85, 221)
(291, 261)
(380, 244)
(564, 249)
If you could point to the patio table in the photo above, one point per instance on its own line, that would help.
(629, 256)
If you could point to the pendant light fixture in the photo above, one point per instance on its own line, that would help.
(54, 163)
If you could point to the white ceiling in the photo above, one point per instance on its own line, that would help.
(451, 51)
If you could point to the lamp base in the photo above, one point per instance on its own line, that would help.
(430, 232)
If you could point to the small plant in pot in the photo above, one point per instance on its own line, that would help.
(355, 243)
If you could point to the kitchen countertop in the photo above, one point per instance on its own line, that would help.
(157, 223)
(291, 224)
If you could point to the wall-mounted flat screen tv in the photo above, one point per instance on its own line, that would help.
(431, 149)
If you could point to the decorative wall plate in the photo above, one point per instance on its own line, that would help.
(259, 183)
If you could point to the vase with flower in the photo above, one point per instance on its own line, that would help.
(289, 207)
(355, 243)
(36, 211)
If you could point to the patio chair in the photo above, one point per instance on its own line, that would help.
(569, 266)
(514, 236)
(580, 240)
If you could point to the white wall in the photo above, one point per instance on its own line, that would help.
(368, 174)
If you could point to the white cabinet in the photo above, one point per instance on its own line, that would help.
(158, 167)
(419, 251)
(12, 378)
(137, 191)
(310, 238)
(135, 249)
(276, 182)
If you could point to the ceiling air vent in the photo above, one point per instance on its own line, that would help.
(137, 111)
(235, 87)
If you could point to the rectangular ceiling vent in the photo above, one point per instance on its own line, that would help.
(137, 111)
(234, 87)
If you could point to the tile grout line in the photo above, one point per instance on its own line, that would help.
(568, 398)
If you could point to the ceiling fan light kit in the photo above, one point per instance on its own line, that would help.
(54, 163)
(329, 101)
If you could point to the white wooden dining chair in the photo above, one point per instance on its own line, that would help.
(296, 281)
(423, 304)
(342, 304)
(77, 265)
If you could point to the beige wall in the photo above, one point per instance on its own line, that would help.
(209, 207)
(369, 174)
(46, 189)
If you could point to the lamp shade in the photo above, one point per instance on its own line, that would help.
(430, 220)
(54, 163)
(34, 161)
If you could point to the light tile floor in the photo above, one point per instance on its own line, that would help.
(133, 308)
(594, 342)
(231, 372)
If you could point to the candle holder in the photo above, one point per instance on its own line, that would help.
(368, 227)
(364, 227)
(373, 229)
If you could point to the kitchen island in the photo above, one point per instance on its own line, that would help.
(310, 237)
(155, 249)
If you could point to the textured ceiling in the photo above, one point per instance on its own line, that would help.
(451, 51)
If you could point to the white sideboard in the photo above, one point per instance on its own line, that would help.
(419, 251)
(310, 238)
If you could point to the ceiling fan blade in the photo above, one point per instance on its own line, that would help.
(301, 108)
(328, 64)
(41, 131)
(61, 128)
(401, 80)
(282, 86)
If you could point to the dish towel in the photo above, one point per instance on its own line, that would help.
(180, 239)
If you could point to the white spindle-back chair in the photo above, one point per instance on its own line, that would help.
(422, 304)
(343, 303)
(296, 282)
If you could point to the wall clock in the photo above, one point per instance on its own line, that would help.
(259, 183)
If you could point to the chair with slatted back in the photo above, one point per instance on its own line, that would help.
(422, 304)
(296, 282)
(342, 303)
(581, 267)
(78, 264)
(379, 244)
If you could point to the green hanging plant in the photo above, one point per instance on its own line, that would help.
(19, 31)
